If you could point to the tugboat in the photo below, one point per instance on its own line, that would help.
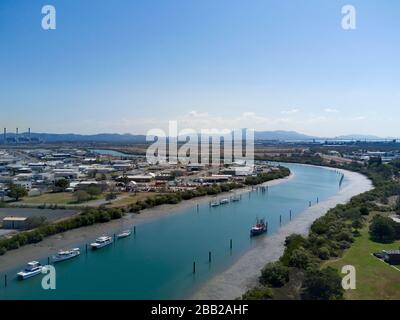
(101, 242)
(259, 228)
(32, 268)
(65, 255)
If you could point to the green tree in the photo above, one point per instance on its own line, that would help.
(61, 184)
(17, 192)
(274, 274)
(323, 284)
(258, 293)
(93, 191)
(299, 259)
(81, 196)
(382, 229)
(364, 211)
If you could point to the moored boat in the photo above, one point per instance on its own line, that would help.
(124, 234)
(32, 268)
(214, 204)
(66, 254)
(101, 242)
(224, 201)
(259, 228)
(235, 199)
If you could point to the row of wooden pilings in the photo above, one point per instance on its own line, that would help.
(210, 256)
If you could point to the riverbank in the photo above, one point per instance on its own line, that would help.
(243, 274)
(81, 236)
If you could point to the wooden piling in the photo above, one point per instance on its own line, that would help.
(134, 230)
(48, 260)
(290, 215)
(86, 248)
(5, 281)
(194, 267)
(231, 244)
(209, 256)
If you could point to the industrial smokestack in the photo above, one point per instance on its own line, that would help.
(29, 134)
(5, 135)
(16, 135)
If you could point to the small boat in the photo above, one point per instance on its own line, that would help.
(124, 234)
(259, 228)
(32, 268)
(214, 204)
(235, 199)
(224, 201)
(101, 242)
(66, 254)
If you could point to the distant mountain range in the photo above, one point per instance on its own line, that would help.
(279, 135)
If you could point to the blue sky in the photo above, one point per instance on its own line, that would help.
(130, 65)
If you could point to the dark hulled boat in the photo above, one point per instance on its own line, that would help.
(259, 228)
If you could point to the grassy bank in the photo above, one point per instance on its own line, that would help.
(375, 279)
(309, 264)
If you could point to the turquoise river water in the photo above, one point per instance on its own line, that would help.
(157, 263)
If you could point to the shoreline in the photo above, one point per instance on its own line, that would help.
(243, 274)
(84, 235)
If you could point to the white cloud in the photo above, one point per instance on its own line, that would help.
(359, 118)
(290, 111)
(330, 110)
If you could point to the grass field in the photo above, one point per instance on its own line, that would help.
(59, 198)
(50, 198)
(374, 279)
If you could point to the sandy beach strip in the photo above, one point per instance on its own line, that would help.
(85, 235)
(244, 273)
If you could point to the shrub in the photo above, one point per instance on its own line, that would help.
(274, 274)
(323, 253)
(258, 293)
(322, 285)
(300, 258)
(382, 229)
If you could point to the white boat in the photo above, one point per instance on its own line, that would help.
(214, 204)
(66, 254)
(32, 268)
(124, 234)
(224, 201)
(101, 242)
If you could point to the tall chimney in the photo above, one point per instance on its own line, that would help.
(29, 134)
(5, 135)
(16, 135)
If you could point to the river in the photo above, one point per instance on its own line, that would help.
(157, 263)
